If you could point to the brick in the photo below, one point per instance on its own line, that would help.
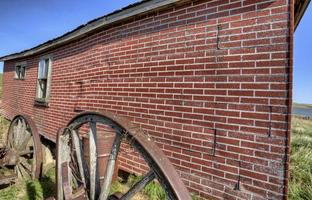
(166, 73)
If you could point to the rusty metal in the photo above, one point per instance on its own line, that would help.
(160, 166)
(104, 144)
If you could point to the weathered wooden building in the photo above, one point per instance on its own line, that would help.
(209, 80)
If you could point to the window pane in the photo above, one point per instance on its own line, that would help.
(43, 69)
(43, 79)
(42, 88)
(46, 70)
(22, 72)
(41, 66)
(17, 72)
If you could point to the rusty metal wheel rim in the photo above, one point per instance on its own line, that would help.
(23, 142)
(160, 167)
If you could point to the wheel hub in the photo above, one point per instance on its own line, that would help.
(11, 158)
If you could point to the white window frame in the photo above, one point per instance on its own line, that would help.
(17, 74)
(46, 78)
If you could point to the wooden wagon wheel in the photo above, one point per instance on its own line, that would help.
(24, 151)
(75, 180)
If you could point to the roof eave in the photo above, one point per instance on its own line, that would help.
(141, 8)
(299, 12)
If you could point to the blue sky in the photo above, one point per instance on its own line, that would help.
(25, 24)
(303, 59)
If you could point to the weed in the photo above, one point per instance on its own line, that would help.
(31, 189)
(116, 187)
(153, 190)
(10, 192)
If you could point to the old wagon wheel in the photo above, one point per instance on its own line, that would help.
(24, 151)
(75, 180)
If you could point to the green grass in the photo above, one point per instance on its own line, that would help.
(152, 191)
(301, 160)
(31, 189)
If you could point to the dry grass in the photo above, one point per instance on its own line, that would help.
(301, 160)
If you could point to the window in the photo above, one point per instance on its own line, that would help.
(44, 79)
(20, 71)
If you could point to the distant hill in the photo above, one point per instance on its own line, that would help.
(301, 105)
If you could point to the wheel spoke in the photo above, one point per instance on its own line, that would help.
(94, 172)
(26, 152)
(24, 126)
(139, 185)
(66, 175)
(25, 164)
(110, 168)
(18, 132)
(17, 171)
(23, 172)
(79, 154)
(13, 135)
(25, 140)
(63, 155)
(11, 138)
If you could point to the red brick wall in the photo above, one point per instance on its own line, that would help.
(184, 74)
